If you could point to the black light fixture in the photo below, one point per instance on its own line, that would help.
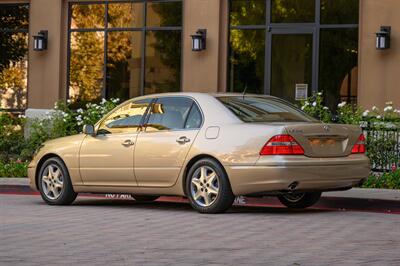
(40, 41)
(199, 40)
(383, 38)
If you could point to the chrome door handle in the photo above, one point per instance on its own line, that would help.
(127, 142)
(183, 140)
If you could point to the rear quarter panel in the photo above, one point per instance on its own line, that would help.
(235, 144)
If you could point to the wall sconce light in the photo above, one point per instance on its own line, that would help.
(40, 41)
(199, 40)
(383, 38)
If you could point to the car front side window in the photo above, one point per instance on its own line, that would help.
(127, 118)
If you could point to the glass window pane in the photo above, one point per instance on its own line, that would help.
(86, 66)
(14, 16)
(123, 64)
(194, 119)
(163, 61)
(244, 12)
(169, 113)
(13, 70)
(339, 11)
(164, 14)
(125, 15)
(246, 61)
(261, 109)
(338, 73)
(86, 16)
(127, 118)
(293, 11)
(291, 64)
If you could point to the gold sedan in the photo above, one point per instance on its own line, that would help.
(209, 148)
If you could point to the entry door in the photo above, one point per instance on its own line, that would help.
(161, 149)
(291, 63)
(107, 158)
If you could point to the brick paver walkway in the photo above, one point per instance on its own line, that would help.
(107, 232)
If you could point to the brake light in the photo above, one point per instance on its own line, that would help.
(282, 145)
(359, 147)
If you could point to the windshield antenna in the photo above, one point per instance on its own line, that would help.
(244, 91)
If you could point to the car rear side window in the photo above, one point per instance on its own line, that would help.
(262, 109)
(194, 119)
(169, 113)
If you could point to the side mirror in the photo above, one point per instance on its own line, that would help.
(88, 130)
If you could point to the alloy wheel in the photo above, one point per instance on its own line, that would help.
(52, 182)
(204, 186)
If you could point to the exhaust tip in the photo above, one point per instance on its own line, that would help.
(293, 185)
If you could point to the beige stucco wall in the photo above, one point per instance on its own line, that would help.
(379, 71)
(44, 67)
(202, 71)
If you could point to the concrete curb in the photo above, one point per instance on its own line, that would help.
(356, 193)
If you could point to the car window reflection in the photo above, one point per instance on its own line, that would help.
(125, 119)
(169, 113)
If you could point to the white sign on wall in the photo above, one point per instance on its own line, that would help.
(301, 92)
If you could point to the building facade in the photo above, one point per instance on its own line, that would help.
(122, 49)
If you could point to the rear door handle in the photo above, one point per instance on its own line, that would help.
(127, 142)
(183, 140)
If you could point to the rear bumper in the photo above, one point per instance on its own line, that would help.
(309, 173)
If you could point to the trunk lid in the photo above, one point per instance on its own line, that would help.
(324, 140)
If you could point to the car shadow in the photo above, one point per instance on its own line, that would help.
(185, 207)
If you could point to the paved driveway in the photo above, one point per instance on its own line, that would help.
(122, 232)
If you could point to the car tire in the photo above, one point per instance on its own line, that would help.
(208, 188)
(144, 198)
(54, 183)
(299, 200)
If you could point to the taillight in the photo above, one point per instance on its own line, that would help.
(282, 145)
(359, 147)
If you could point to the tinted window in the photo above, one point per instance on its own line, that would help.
(194, 119)
(123, 49)
(339, 11)
(293, 11)
(13, 56)
(169, 113)
(338, 74)
(244, 12)
(246, 61)
(126, 118)
(259, 109)
(163, 61)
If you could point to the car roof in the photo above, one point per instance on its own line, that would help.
(197, 94)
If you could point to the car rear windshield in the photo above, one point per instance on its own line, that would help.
(263, 109)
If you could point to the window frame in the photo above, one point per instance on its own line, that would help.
(144, 29)
(194, 102)
(270, 28)
(19, 30)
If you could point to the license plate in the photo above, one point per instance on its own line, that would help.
(322, 142)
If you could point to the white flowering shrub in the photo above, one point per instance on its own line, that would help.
(388, 114)
(314, 106)
(64, 121)
(347, 113)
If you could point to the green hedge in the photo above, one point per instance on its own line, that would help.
(389, 180)
(13, 169)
